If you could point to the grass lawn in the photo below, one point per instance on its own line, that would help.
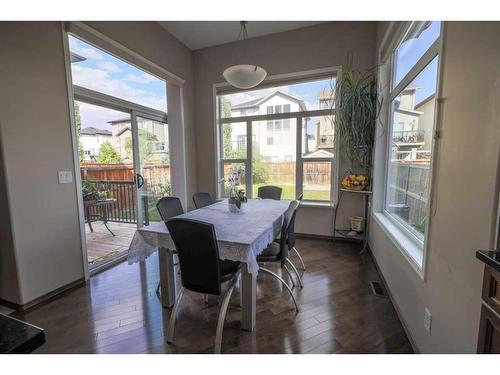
(289, 192)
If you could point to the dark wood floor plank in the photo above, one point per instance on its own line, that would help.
(117, 311)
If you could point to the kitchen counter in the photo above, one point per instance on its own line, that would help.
(18, 337)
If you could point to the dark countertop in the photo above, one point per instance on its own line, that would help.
(490, 257)
(17, 336)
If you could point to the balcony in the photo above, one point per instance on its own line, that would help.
(411, 137)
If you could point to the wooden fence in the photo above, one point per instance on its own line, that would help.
(283, 173)
(409, 191)
(120, 181)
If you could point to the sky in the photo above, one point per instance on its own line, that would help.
(410, 52)
(307, 91)
(107, 74)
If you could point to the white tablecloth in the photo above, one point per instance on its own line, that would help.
(241, 236)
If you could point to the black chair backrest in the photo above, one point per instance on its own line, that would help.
(202, 199)
(291, 228)
(286, 229)
(169, 207)
(269, 192)
(198, 252)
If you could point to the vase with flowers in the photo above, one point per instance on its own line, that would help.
(236, 196)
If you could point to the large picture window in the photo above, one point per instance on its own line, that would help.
(292, 138)
(411, 128)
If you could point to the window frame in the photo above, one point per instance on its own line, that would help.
(435, 50)
(300, 160)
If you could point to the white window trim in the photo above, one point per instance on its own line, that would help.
(299, 162)
(411, 247)
(276, 80)
(175, 85)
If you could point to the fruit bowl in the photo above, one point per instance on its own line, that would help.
(356, 182)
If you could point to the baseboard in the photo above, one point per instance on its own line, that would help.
(44, 298)
(314, 236)
(400, 317)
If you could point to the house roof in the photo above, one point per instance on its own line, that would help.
(90, 130)
(319, 154)
(75, 57)
(125, 119)
(126, 128)
(259, 101)
(423, 101)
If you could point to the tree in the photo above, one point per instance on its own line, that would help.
(78, 125)
(259, 170)
(108, 154)
(145, 149)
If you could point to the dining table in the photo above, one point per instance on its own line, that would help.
(241, 236)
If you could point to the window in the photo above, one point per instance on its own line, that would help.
(275, 140)
(410, 136)
(416, 42)
(241, 142)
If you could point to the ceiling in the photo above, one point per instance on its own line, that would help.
(201, 34)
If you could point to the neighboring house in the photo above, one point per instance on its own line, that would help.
(153, 136)
(122, 137)
(412, 126)
(274, 139)
(325, 129)
(91, 140)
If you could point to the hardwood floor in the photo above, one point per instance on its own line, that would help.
(119, 312)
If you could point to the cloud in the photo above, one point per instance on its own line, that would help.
(143, 78)
(245, 96)
(109, 67)
(100, 80)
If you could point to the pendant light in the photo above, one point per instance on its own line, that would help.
(244, 76)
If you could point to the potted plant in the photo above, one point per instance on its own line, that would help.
(236, 196)
(355, 113)
(93, 191)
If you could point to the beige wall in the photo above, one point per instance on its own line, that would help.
(43, 214)
(464, 201)
(320, 46)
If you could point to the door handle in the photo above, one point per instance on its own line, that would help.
(140, 180)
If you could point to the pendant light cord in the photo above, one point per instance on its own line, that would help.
(243, 34)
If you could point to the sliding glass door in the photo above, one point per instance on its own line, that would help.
(152, 165)
(123, 145)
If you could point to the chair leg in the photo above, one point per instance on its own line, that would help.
(289, 276)
(296, 272)
(265, 270)
(300, 258)
(173, 317)
(222, 315)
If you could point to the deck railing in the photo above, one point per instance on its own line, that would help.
(124, 209)
(410, 136)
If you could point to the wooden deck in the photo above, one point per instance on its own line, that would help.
(101, 245)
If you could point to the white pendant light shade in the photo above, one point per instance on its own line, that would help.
(244, 76)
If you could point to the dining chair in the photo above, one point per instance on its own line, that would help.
(169, 207)
(291, 242)
(278, 251)
(269, 192)
(202, 271)
(202, 199)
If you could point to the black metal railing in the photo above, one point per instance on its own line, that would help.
(124, 209)
(410, 136)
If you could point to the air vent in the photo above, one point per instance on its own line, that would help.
(378, 289)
